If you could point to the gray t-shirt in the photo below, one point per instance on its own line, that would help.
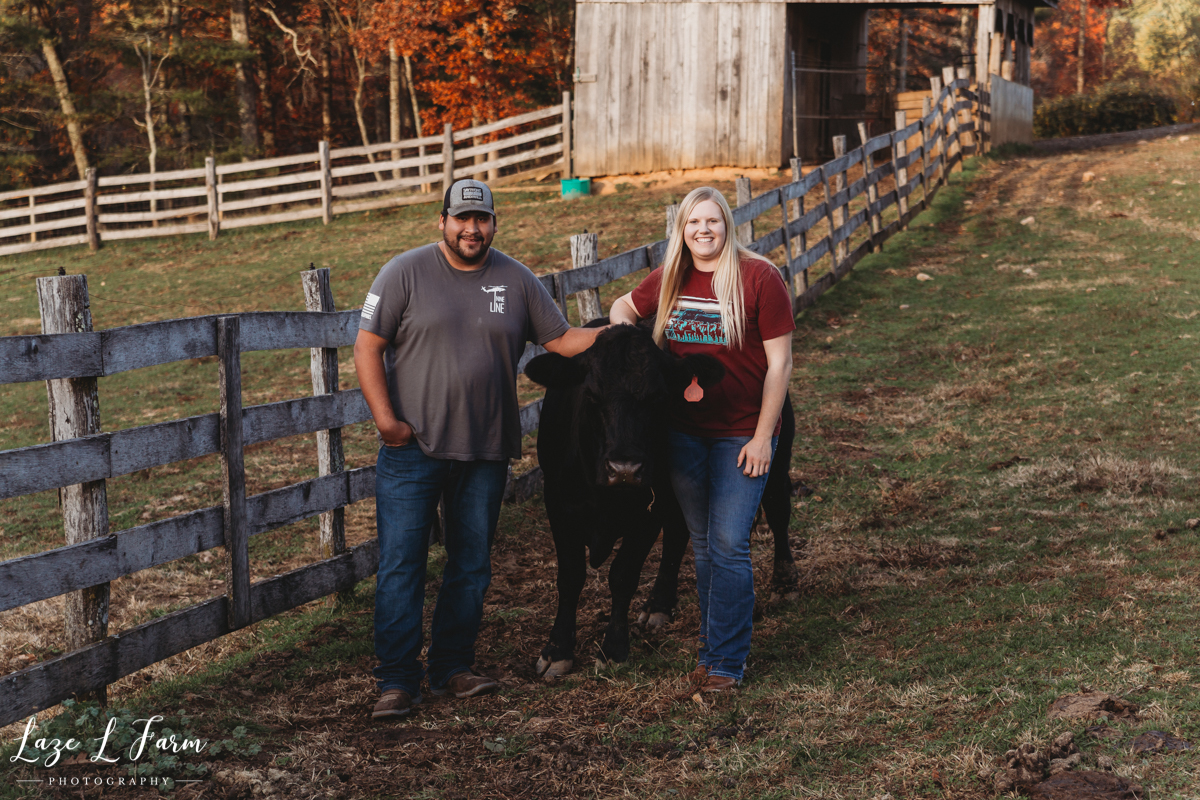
(455, 339)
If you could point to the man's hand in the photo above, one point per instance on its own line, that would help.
(368, 363)
(396, 435)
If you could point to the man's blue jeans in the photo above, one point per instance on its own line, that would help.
(719, 503)
(408, 484)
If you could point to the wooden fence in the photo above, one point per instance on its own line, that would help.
(267, 191)
(70, 357)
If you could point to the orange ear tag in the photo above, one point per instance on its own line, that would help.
(693, 393)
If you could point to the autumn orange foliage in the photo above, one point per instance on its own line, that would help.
(1055, 62)
(937, 38)
(472, 61)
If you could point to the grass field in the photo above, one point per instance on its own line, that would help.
(997, 419)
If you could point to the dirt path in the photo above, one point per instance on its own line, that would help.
(1072, 143)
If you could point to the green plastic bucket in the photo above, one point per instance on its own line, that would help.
(576, 187)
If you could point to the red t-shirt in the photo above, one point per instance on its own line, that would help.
(731, 407)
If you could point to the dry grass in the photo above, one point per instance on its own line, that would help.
(943, 604)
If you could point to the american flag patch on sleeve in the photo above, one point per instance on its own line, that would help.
(368, 309)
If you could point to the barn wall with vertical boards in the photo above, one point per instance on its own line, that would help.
(679, 85)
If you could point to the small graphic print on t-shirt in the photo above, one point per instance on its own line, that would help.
(696, 320)
(497, 293)
(368, 309)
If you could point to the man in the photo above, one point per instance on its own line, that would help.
(442, 330)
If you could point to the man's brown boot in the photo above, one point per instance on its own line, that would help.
(719, 683)
(467, 684)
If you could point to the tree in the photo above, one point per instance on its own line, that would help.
(1071, 47)
(906, 47)
(152, 40)
(239, 30)
(48, 23)
(169, 81)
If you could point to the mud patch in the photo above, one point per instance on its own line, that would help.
(1092, 705)
(1102, 732)
(1026, 765)
(1157, 742)
(1086, 786)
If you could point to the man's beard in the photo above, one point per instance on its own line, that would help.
(467, 259)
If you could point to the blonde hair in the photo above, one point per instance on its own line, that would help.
(726, 281)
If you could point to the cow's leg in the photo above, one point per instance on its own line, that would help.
(623, 578)
(777, 503)
(659, 609)
(558, 656)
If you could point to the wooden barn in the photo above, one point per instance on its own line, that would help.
(739, 83)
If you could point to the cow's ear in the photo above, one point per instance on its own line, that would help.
(554, 371)
(706, 369)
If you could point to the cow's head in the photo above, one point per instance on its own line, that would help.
(623, 386)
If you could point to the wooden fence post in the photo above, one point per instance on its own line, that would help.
(839, 183)
(797, 174)
(900, 151)
(447, 157)
(745, 231)
(672, 215)
(426, 188)
(925, 109)
(935, 85)
(480, 158)
(829, 217)
(32, 217)
(965, 117)
(89, 208)
(585, 251)
(326, 182)
(210, 188)
(568, 164)
(560, 297)
(955, 147)
(788, 277)
(872, 191)
(233, 473)
(323, 364)
(74, 405)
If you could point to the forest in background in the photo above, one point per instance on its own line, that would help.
(1149, 42)
(155, 85)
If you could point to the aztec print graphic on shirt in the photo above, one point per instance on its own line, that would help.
(696, 320)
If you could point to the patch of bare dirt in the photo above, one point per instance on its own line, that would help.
(1092, 705)
(836, 565)
(1027, 766)
(1087, 786)
(1158, 742)
(1095, 472)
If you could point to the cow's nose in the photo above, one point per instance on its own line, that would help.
(623, 472)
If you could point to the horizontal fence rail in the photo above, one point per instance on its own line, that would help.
(919, 157)
(323, 184)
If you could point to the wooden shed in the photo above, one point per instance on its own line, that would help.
(673, 84)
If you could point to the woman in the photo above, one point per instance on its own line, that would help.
(716, 297)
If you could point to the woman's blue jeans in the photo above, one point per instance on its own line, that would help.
(719, 503)
(408, 485)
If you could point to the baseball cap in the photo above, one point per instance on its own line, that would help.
(468, 195)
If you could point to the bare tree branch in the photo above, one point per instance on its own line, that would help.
(304, 56)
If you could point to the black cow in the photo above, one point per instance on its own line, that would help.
(776, 507)
(602, 447)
